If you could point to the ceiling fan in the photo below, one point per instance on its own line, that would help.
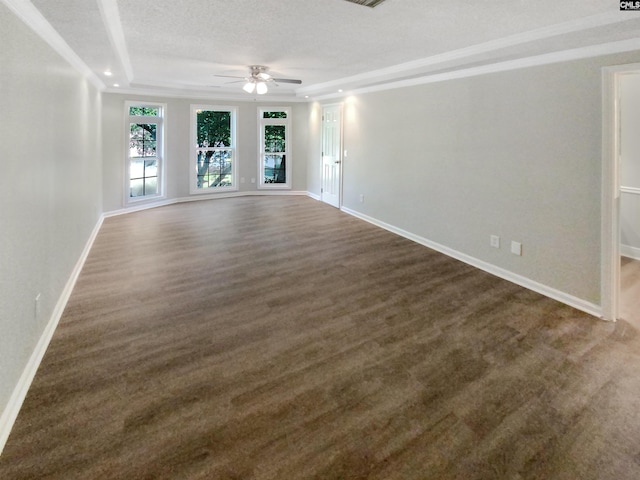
(258, 79)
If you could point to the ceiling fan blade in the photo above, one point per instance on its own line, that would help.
(228, 76)
(287, 80)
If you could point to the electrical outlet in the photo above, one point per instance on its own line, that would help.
(516, 248)
(361, 198)
(495, 241)
(253, 180)
(241, 179)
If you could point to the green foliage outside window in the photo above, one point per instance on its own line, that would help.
(213, 131)
(274, 115)
(214, 128)
(274, 138)
(143, 111)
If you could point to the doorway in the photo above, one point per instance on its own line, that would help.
(331, 155)
(621, 193)
(629, 88)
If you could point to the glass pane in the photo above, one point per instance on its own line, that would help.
(213, 128)
(274, 115)
(136, 170)
(275, 169)
(274, 138)
(137, 188)
(142, 139)
(151, 168)
(151, 186)
(143, 175)
(215, 168)
(144, 111)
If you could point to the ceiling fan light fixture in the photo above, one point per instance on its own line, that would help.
(249, 87)
(261, 88)
(367, 3)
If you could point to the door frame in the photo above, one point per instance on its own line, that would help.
(341, 106)
(610, 261)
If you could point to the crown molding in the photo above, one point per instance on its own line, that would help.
(534, 61)
(32, 17)
(113, 25)
(167, 92)
(393, 73)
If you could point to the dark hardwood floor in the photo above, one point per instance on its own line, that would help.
(278, 338)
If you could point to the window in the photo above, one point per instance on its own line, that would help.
(275, 161)
(214, 153)
(144, 177)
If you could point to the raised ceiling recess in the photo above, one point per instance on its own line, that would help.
(367, 3)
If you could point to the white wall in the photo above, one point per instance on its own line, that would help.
(630, 165)
(515, 154)
(178, 164)
(50, 187)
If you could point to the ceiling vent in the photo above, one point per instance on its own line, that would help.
(367, 3)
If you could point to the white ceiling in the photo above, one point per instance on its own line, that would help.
(176, 47)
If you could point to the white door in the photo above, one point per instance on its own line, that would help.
(331, 154)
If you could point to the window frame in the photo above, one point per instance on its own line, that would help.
(159, 120)
(193, 141)
(262, 123)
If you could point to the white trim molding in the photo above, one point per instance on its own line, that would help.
(525, 282)
(113, 25)
(386, 76)
(210, 196)
(611, 191)
(630, 252)
(10, 413)
(494, 67)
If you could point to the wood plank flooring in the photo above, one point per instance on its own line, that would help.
(630, 290)
(278, 338)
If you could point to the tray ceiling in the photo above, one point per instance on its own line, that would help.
(177, 47)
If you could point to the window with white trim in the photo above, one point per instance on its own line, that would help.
(145, 147)
(213, 151)
(275, 161)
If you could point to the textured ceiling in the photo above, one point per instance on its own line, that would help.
(179, 46)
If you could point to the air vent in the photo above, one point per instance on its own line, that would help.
(367, 3)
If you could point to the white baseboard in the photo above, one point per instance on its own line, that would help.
(139, 207)
(314, 196)
(10, 413)
(525, 282)
(630, 252)
(197, 198)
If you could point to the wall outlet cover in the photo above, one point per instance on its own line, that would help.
(516, 248)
